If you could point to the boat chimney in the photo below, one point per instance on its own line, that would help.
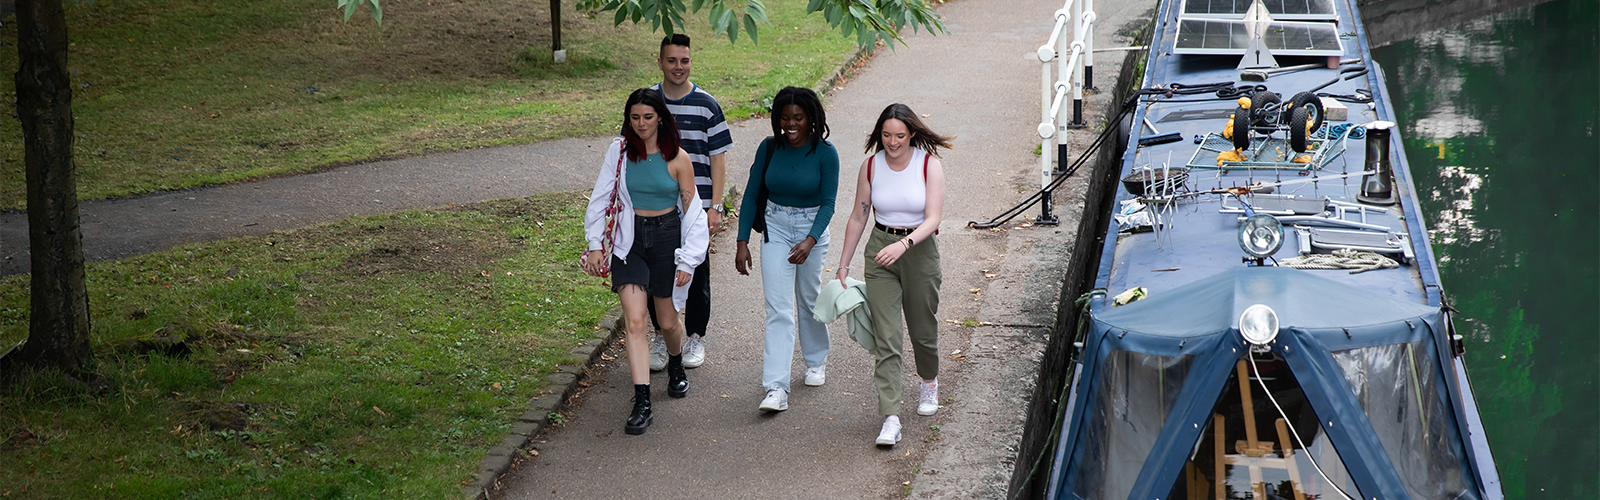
(1378, 188)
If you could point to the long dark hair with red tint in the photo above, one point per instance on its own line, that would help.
(666, 133)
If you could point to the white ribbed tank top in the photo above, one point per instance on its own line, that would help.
(899, 199)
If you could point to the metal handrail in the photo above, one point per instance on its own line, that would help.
(1074, 72)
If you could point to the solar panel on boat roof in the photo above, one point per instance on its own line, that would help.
(1280, 9)
(1212, 36)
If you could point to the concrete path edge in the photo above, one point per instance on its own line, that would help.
(563, 382)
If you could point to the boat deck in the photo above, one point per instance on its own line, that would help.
(1197, 232)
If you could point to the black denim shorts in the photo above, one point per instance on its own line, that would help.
(651, 262)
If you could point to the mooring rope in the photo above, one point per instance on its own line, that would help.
(1357, 261)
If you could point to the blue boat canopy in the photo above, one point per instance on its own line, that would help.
(1351, 395)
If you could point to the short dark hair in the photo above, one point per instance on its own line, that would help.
(809, 104)
(666, 135)
(674, 39)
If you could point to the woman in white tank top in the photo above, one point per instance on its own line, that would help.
(902, 186)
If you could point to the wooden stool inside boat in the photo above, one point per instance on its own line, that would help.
(1252, 452)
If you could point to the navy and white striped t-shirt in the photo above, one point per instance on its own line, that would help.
(703, 132)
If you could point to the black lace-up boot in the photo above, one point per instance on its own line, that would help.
(677, 380)
(640, 419)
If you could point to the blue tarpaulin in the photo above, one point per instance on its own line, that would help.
(1186, 343)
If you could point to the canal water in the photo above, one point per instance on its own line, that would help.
(1501, 122)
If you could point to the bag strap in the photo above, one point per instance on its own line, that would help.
(874, 156)
(622, 152)
(761, 186)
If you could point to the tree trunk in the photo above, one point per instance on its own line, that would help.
(58, 328)
(555, 25)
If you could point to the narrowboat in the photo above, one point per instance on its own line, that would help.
(1268, 321)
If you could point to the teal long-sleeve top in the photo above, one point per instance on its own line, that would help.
(797, 177)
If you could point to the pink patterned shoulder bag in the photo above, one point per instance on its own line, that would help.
(608, 238)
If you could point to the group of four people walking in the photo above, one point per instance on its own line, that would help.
(655, 205)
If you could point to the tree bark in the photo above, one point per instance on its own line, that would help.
(58, 327)
(555, 25)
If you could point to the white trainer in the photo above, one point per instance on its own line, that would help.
(817, 376)
(930, 398)
(776, 400)
(658, 353)
(694, 351)
(891, 431)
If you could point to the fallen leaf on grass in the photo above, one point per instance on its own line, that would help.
(380, 412)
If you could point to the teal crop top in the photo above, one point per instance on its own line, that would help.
(651, 185)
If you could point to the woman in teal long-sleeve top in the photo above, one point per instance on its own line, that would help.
(801, 179)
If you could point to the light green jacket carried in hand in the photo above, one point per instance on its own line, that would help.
(848, 299)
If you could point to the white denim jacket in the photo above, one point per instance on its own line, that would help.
(696, 238)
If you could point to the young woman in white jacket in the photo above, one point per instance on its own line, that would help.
(656, 244)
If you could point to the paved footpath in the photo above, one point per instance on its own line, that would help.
(979, 82)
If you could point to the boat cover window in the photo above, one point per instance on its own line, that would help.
(1251, 461)
(1136, 392)
(1399, 388)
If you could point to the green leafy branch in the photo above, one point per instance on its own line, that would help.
(870, 21)
(350, 6)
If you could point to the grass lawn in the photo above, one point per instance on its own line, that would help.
(173, 94)
(376, 357)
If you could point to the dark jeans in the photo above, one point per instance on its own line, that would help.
(697, 309)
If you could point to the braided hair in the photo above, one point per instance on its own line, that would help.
(807, 99)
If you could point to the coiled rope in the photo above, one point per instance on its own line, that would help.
(1357, 261)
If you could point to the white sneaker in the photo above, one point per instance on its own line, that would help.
(817, 376)
(891, 431)
(776, 400)
(930, 398)
(658, 353)
(694, 351)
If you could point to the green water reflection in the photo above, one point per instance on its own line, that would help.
(1500, 120)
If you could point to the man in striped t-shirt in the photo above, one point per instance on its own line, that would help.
(704, 134)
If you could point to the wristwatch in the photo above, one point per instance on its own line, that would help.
(720, 209)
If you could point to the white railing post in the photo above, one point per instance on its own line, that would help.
(1045, 128)
(1065, 68)
(1072, 74)
(1081, 29)
(1088, 42)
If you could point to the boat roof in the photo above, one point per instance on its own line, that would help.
(1188, 262)
(1197, 240)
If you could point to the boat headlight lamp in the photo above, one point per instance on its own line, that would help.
(1259, 324)
(1261, 235)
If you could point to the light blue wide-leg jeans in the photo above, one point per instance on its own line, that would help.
(791, 293)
